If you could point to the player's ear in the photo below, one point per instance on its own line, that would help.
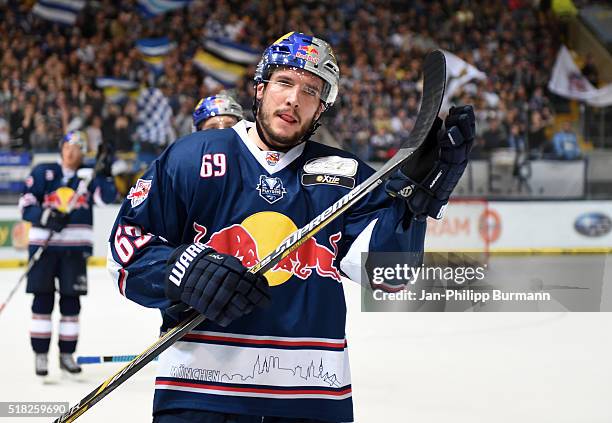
(319, 110)
(259, 89)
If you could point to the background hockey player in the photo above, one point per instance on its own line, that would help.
(217, 112)
(49, 202)
(273, 348)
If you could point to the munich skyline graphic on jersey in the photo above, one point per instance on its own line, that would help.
(269, 364)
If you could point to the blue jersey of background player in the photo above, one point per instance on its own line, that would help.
(273, 348)
(217, 112)
(58, 199)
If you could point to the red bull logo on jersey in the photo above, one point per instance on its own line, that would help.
(63, 199)
(139, 192)
(236, 241)
(309, 53)
(312, 255)
(259, 234)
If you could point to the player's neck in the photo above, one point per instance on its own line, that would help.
(255, 136)
(69, 167)
(255, 139)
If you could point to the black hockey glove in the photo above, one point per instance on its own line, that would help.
(216, 285)
(428, 178)
(104, 161)
(54, 220)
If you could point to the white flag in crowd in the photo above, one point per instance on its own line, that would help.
(567, 81)
(458, 73)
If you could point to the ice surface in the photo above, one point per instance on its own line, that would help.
(406, 367)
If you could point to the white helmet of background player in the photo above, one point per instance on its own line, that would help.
(77, 138)
(216, 106)
(302, 52)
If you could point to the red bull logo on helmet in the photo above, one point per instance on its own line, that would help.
(254, 238)
(309, 53)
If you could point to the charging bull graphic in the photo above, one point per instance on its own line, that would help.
(245, 242)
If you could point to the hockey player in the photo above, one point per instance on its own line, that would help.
(57, 200)
(218, 112)
(273, 348)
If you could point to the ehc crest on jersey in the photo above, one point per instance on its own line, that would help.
(140, 192)
(272, 157)
(270, 188)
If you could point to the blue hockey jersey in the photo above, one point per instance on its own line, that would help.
(216, 187)
(49, 185)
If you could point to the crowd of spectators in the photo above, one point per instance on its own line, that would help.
(48, 72)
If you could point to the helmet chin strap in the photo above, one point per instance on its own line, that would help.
(264, 139)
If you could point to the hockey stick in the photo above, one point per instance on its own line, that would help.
(84, 181)
(97, 359)
(35, 257)
(434, 70)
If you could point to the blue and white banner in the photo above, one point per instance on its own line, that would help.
(116, 89)
(15, 159)
(60, 11)
(224, 72)
(226, 49)
(154, 118)
(224, 60)
(124, 84)
(154, 51)
(155, 46)
(151, 8)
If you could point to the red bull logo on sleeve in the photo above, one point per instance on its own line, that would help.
(254, 238)
(139, 192)
(309, 53)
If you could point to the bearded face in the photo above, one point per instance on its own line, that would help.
(290, 102)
